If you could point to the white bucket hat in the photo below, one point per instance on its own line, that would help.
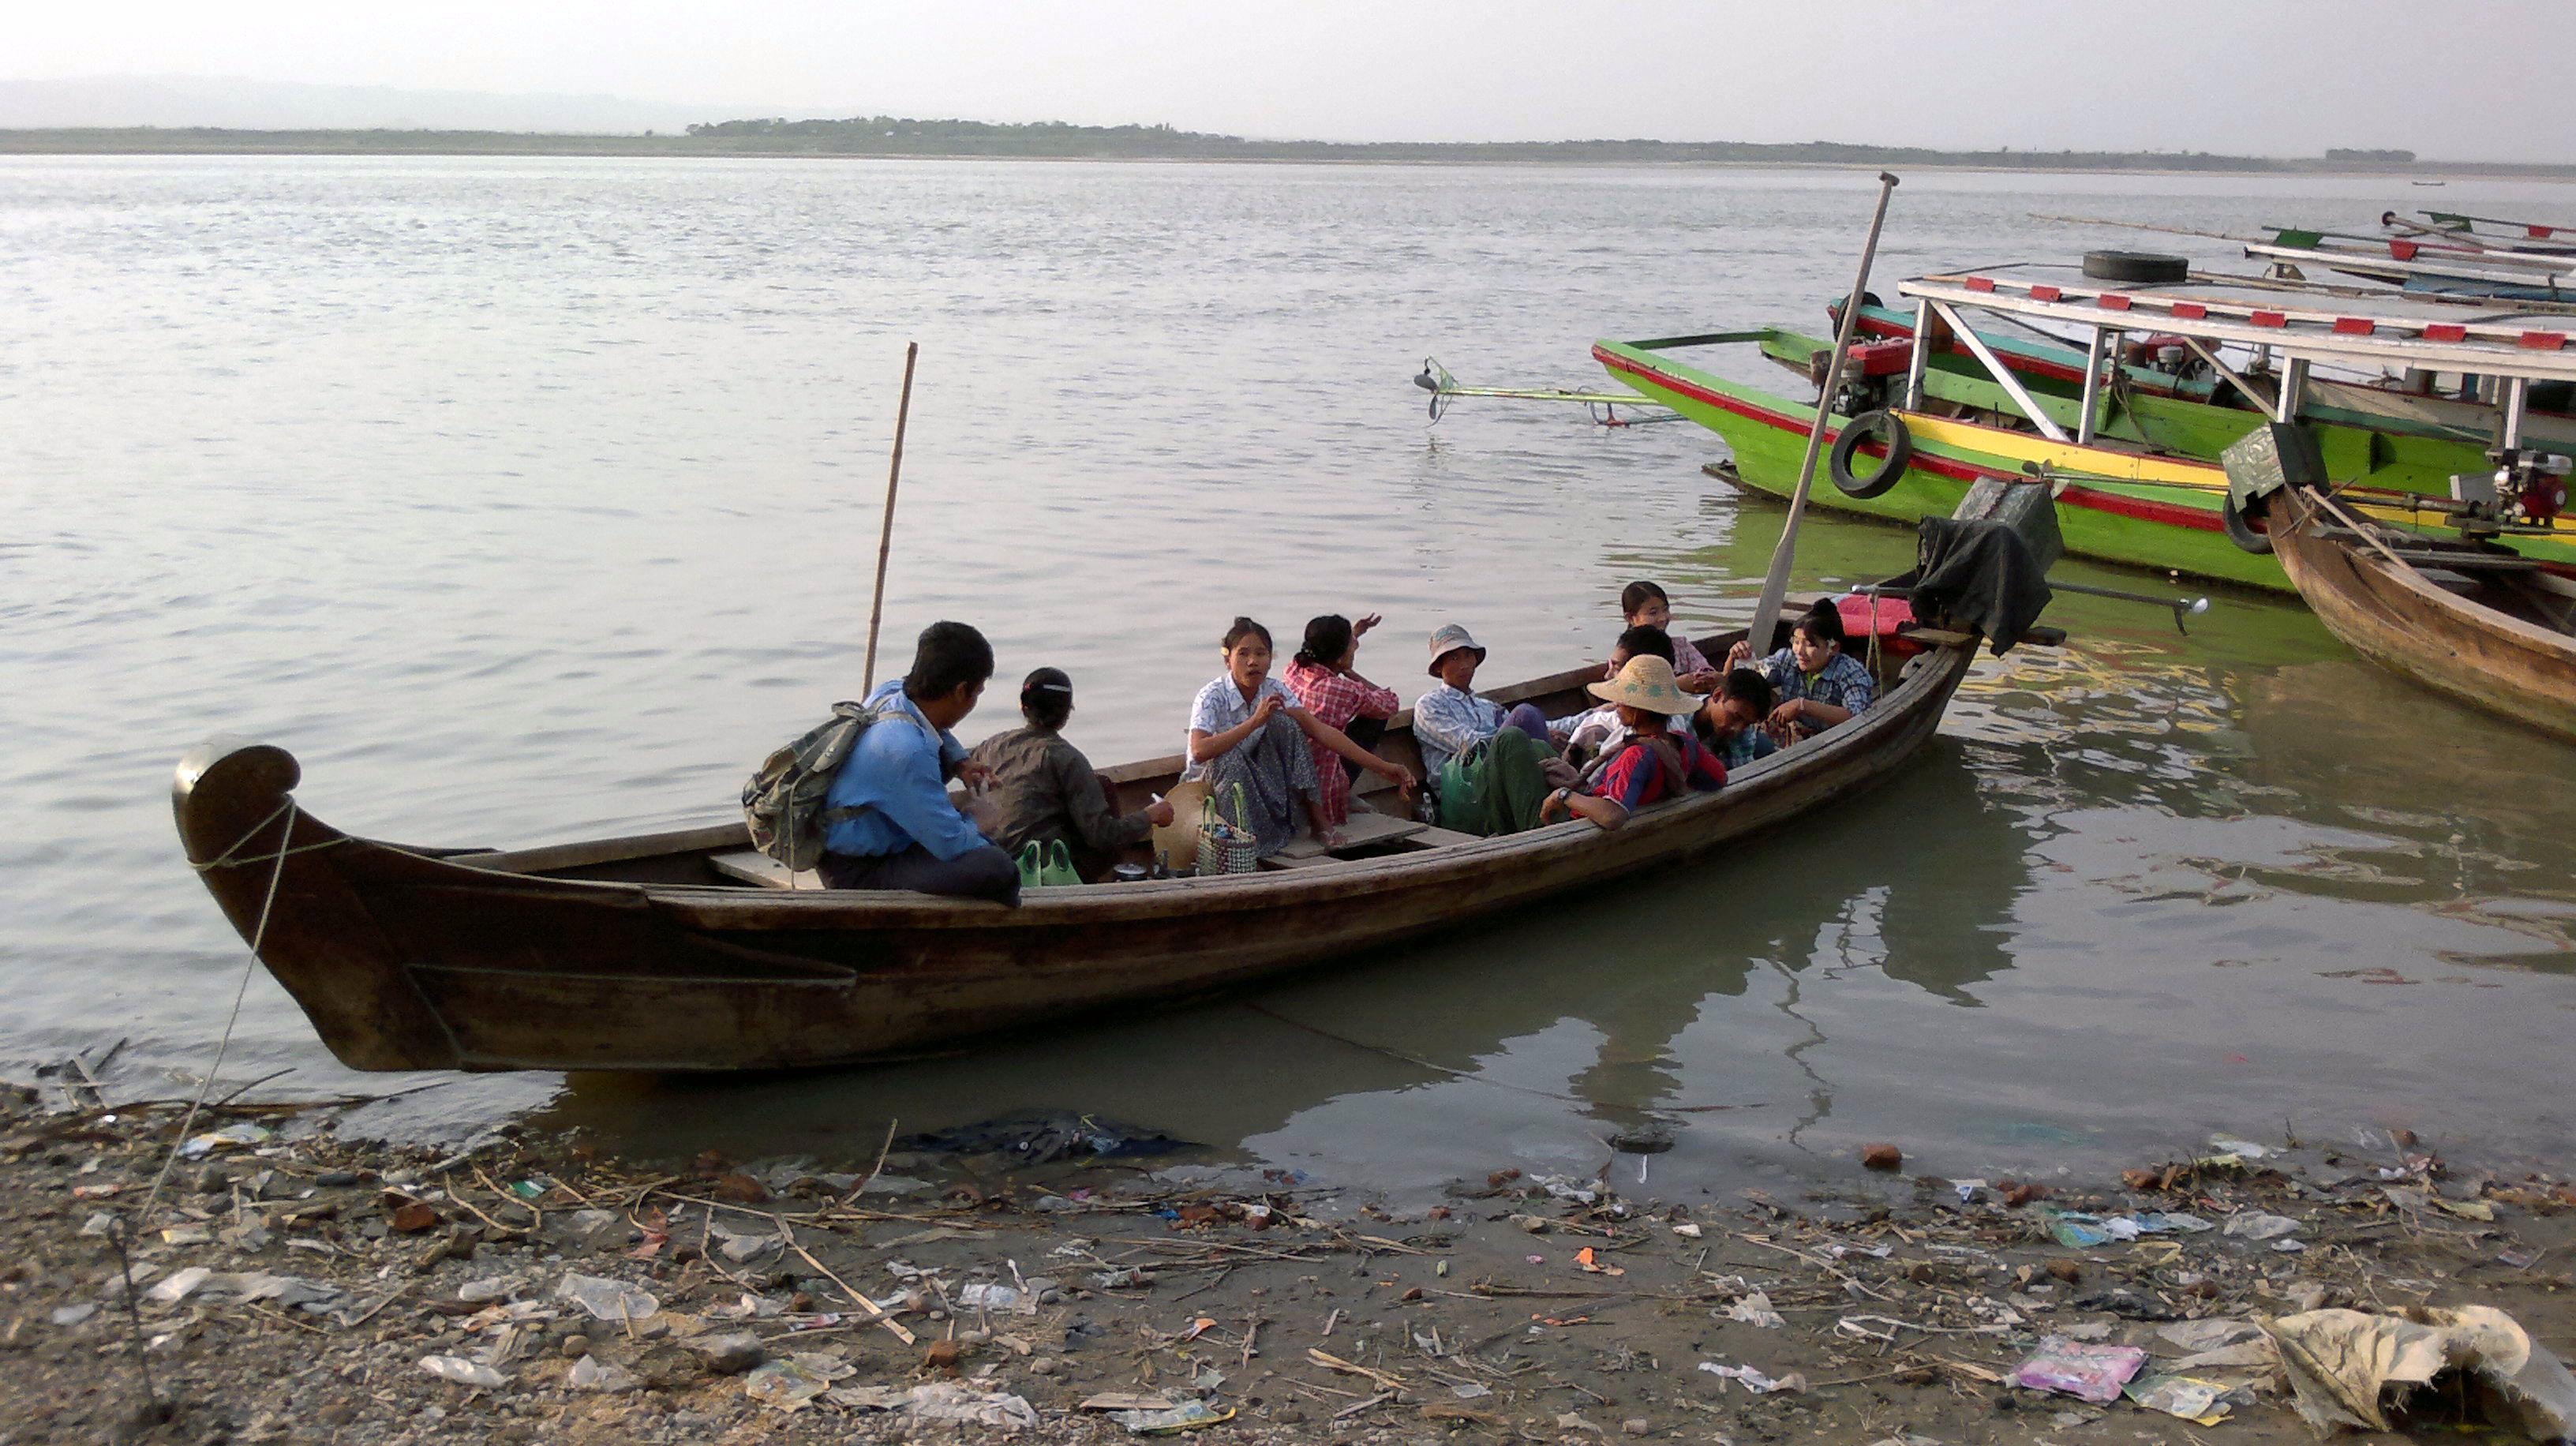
(1449, 640)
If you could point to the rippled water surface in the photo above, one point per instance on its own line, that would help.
(534, 499)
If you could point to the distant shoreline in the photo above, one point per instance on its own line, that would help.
(1185, 148)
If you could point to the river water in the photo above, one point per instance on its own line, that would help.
(534, 499)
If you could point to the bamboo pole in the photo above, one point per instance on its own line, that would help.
(1775, 586)
(885, 534)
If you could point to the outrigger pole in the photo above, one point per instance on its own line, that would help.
(1435, 379)
(1775, 586)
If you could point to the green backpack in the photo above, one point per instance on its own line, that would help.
(783, 802)
(1496, 787)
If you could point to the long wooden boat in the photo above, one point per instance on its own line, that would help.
(2117, 500)
(2476, 622)
(686, 951)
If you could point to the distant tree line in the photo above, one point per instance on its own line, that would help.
(883, 135)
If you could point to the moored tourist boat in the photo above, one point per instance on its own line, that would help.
(688, 951)
(2118, 500)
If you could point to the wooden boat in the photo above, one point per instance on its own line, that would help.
(686, 951)
(2472, 620)
(2117, 500)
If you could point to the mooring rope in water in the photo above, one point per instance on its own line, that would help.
(121, 1236)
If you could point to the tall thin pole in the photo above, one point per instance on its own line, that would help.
(1775, 586)
(885, 535)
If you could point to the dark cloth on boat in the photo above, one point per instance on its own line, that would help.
(1366, 732)
(1980, 573)
(978, 873)
(1044, 791)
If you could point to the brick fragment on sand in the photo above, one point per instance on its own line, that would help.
(1882, 1157)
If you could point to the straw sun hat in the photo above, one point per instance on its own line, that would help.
(1647, 683)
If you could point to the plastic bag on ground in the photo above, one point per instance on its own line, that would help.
(2343, 1364)
(1188, 1416)
(788, 1385)
(463, 1372)
(2255, 1225)
(2210, 1334)
(955, 1401)
(590, 1373)
(2071, 1368)
(1756, 1382)
(2200, 1402)
(606, 1299)
(1755, 1310)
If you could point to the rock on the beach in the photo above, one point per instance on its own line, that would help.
(1882, 1156)
(729, 1355)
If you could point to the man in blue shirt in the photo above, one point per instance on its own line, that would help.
(901, 831)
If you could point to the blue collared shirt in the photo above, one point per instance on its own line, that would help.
(898, 774)
(1448, 722)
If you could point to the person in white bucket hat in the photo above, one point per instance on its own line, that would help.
(1451, 719)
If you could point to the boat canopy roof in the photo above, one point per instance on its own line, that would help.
(2502, 340)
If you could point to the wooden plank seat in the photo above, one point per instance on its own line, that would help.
(754, 867)
(1364, 829)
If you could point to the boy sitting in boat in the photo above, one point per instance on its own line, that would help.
(893, 825)
(1044, 791)
(1649, 762)
(1584, 737)
(1248, 732)
(1819, 684)
(1732, 723)
(1644, 604)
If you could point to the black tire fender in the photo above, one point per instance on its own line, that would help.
(1900, 451)
(2147, 267)
(2240, 529)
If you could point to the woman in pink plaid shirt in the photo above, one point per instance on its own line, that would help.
(1321, 677)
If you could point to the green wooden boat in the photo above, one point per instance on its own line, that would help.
(2141, 511)
(2120, 499)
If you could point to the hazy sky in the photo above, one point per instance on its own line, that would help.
(2458, 79)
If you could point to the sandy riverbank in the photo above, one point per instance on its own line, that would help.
(291, 1286)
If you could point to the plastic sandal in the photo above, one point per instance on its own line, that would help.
(1032, 865)
(1058, 869)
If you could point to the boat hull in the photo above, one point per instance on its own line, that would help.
(2396, 618)
(637, 959)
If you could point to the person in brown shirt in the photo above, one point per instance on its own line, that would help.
(1043, 788)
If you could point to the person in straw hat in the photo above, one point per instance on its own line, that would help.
(1648, 763)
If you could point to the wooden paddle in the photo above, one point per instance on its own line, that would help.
(885, 534)
(1775, 586)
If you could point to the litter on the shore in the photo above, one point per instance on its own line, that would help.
(2203, 1403)
(2256, 1225)
(607, 1299)
(2072, 1368)
(1188, 1416)
(464, 1372)
(1754, 1381)
(2350, 1369)
(1755, 1310)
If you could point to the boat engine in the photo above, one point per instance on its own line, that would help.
(2527, 487)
